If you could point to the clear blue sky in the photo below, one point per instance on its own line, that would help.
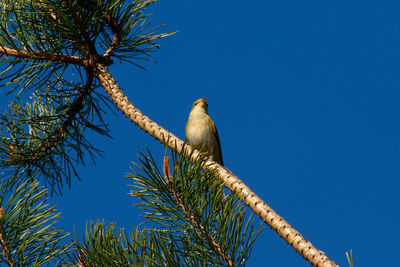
(305, 95)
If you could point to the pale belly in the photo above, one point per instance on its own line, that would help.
(204, 140)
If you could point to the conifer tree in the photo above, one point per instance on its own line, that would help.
(54, 59)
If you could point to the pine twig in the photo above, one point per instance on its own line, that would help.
(82, 261)
(189, 215)
(116, 31)
(42, 56)
(76, 107)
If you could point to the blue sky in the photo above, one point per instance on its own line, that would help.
(305, 95)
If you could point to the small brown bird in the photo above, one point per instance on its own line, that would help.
(201, 131)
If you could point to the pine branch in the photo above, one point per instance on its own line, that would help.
(55, 127)
(106, 245)
(82, 30)
(74, 110)
(190, 216)
(116, 31)
(27, 233)
(187, 206)
(42, 56)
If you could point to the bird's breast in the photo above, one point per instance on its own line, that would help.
(201, 133)
(198, 132)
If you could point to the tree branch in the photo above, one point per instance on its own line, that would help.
(42, 56)
(116, 31)
(189, 215)
(89, 44)
(75, 108)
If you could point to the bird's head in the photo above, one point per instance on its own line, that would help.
(200, 104)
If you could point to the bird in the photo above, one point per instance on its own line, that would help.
(201, 131)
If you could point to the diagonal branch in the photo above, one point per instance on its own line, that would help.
(189, 215)
(75, 109)
(232, 182)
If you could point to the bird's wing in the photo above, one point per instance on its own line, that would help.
(219, 143)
